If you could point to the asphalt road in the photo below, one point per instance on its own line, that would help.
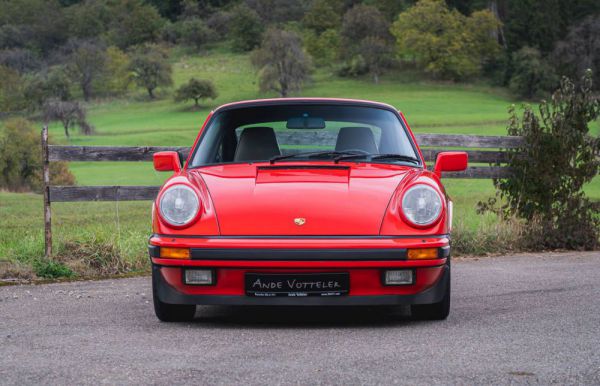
(531, 319)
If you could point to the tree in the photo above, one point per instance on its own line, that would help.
(151, 68)
(366, 42)
(377, 55)
(51, 84)
(323, 15)
(196, 89)
(246, 29)
(21, 159)
(70, 114)
(558, 157)
(283, 65)
(194, 32)
(531, 75)
(444, 42)
(86, 64)
(11, 90)
(134, 22)
(580, 50)
(117, 77)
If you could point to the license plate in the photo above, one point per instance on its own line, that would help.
(297, 284)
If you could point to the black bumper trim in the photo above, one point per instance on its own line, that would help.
(302, 237)
(298, 254)
(168, 294)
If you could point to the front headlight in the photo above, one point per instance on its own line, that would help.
(179, 205)
(421, 205)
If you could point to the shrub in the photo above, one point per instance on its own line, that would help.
(51, 269)
(21, 161)
(549, 170)
(532, 75)
(196, 89)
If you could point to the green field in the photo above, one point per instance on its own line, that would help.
(429, 108)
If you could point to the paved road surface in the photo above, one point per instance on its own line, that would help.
(531, 319)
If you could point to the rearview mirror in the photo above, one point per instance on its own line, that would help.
(305, 123)
(450, 161)
(165, 161)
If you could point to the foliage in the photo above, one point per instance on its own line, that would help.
(580, 50)
(116, 77)
(323, 47)
(323, 15)
(68, 113)
(134, 22)
(151, 68)
(87, 59)
(283, 65)
(196, 89)
(51, 269)
(21, 161)
(53, 83)
(532, 75)
(366, 41)
(558, 157)
(444, 42)
(11, 90)
(33, 24)
(246, 29)
(194, 32)
(19, 59)
(274, 12)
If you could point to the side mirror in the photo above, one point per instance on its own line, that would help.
(450, 161)
(165, 161)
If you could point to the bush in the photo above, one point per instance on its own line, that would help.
(196, 89)
(21, 161)
(532, 75)
(558, 157)
(51, 269)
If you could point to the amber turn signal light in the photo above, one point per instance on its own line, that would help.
(175, 253)
(422, 253)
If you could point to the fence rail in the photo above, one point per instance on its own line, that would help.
(481, 150)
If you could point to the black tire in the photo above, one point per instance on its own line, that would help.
(434, 311)
(170, 312)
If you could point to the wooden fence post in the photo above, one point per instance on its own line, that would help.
(46, 184)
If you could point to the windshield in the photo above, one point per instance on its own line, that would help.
(304, 132)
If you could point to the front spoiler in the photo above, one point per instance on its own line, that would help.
(168, 294)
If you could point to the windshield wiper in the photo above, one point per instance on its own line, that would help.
(373, 157)
(314, 154)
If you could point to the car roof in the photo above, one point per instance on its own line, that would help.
(308, 101)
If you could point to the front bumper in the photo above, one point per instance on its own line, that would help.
(364, 259)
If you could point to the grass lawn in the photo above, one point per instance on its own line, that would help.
(429, 108)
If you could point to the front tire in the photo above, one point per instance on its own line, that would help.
(434, 311)
(166, 312)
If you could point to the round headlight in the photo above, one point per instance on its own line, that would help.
(421, 205)
(179, 205)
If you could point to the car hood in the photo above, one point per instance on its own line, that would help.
(295, 199)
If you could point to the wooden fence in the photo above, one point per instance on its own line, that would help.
(481, 150)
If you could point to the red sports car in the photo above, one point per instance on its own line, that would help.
(302, 202)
